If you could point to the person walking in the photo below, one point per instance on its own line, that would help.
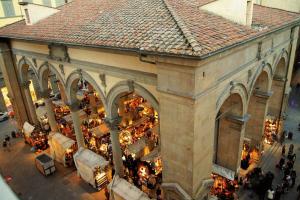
(283, 150)
(293, 177)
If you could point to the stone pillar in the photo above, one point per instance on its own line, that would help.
(53, 83)
(2, 102)
(258, 110)
(31, 106)
(62, 92)
(50, 112)
(275, 102)
(36, 86)
(116, 147)
(74, 107)
(11, 81)
(230, 129)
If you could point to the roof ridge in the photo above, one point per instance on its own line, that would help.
(184, 29)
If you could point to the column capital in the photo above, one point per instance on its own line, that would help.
(113, 123)
(73, 106)
(25, 84)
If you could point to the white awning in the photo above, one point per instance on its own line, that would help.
(59, 144)
(41, 111)
(121, 189)
(222, 171)
(28, 128)
(86, 161)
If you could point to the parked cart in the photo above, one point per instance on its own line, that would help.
(45, 164)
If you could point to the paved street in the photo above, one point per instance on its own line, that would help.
(29, 184)
(272, 154)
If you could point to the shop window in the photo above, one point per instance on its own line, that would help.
(47, 3)
(8, 8)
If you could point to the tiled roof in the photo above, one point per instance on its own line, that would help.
(176, 27)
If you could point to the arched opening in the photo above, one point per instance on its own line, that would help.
(273, 124)
(228, 132)
(90, 127)
(255, 126)
(139, 137)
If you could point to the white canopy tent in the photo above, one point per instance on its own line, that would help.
(59, 145)
(28, 129)
(86, 162)
(123, 190)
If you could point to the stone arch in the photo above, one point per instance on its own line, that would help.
(233, 88)
(281, 65)
(23, 66)
(127, 86)
(229, 130)
(267, 68)
(44, 71)
(278, 85)
(71, 84)
(257, 106)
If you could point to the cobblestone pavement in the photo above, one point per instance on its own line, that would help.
(272, 154)
(29, 184)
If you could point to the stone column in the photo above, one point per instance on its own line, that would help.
(62, 92)
(2, 102)
(7, 65)
(31, 106)
(53, 83)
(74, 107)
(113, 123)
(50, 112)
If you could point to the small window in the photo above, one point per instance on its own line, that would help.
(27, 16)
(8, 7)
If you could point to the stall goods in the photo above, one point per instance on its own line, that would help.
(61, 148)
(91, 167)
(45, 164)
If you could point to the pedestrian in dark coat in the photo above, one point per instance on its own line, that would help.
(293, 176)
(283, 150)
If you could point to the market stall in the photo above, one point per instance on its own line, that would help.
(122, 190)
(91, 167)
(62, 148)
(271, 130)
(35, 137)
(225, 184)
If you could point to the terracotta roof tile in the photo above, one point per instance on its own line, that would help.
(163, 26)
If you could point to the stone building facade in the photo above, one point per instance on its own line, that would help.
(211, 94)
